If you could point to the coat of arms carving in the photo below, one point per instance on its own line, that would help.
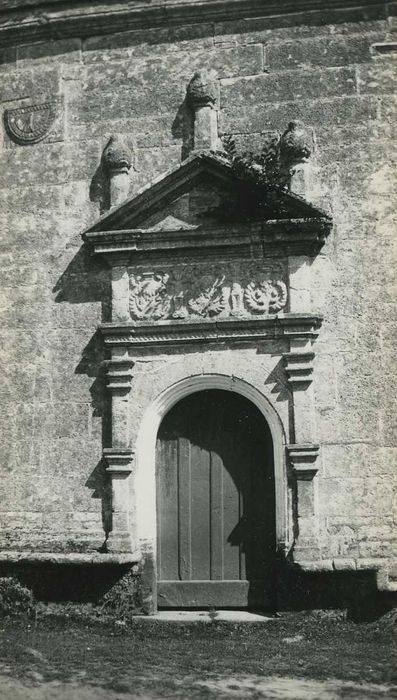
(30, 124)
(207, 291)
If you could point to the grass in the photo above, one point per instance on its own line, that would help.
(159, 659)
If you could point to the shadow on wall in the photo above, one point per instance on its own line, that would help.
(85, 281)
(183, 128)
(121, 589)
(93, 364)
(99, 189)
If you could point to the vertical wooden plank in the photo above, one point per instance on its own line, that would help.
(184, 509)
(216, 515)
(168, 511)
(231, 519)
(200, 508)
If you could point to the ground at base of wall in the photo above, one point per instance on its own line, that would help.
(295, 655)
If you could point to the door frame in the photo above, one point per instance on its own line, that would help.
(145, 474)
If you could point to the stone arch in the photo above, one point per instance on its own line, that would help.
(145, 482)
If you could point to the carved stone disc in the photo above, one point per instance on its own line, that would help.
(30, 124)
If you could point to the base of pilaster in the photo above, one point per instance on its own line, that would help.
(119, 542)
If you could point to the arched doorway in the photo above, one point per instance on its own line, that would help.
(216, 522)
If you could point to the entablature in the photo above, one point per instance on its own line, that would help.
(160, 333)
(271, 237)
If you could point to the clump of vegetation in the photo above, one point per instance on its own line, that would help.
(274, 164)
(124, 598)
(14, 597)
(261, 168)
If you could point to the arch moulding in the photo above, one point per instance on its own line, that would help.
(145, 482)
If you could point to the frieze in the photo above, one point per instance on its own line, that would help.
(202, 291)
(30, 124)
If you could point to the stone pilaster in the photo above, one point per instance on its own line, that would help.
(302, 460)
(120, 464)
(303, 453)
(120, 291)
(119, 457)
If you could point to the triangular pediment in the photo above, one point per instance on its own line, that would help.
(202, 191)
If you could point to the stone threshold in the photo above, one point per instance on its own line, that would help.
(75, 558)
(207, 616)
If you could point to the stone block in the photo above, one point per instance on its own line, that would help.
(320, 114)
(150, 162)
(286, 87)
(244, 60)
(43, 164)
(31, 217)
(157, 40)
(324, 51)
(376, 78)
(344, 564)
(341, 497)
(11, 520)
(300, 25)
(8, 57)
(378, 550)
(38, 85)
(356, 460)
(388, 419)
(382, 532)
(324, 381)
(43, 53)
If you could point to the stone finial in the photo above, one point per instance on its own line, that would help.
(294, 144)
(117, 161)
(295, 150)
(201, 91)
(116, 155)
(201, 98)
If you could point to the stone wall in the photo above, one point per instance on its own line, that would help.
(330, 69)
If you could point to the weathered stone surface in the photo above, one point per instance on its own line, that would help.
(301, 25)
(376, 79)
(286, 87)
(55, 422)
(39, 84)
(65, 50)
(335, 51)
(154, 41)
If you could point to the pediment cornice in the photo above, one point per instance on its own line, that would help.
(278, 223)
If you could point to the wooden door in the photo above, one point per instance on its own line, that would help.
(215, 504)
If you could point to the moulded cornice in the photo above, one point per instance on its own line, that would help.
(278, 237)
(160, 333)
(26, 20)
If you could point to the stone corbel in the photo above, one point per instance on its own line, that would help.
(120, 465)
(299, 368)
(303, 460)
(119, 375)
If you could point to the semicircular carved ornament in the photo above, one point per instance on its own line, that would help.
(30, 124)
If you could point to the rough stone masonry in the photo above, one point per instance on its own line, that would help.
(71, 81)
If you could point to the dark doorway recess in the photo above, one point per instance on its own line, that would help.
(215, 504)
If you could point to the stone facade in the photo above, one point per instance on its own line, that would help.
(332, 69)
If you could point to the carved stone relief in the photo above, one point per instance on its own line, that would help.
(206, 291)
(30, 124)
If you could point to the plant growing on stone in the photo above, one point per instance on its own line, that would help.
(274, 164)
(14, 597)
